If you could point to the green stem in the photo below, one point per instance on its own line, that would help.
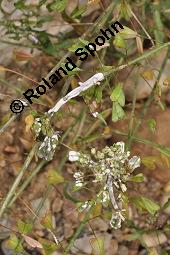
(27, 182)
(149, 100)
(136, 60)
(17, 180)
(8, 123)
(78, 231)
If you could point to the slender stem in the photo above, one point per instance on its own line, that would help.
(26, 182)
(8, 123)
(142, 27)
(18, 179)
(149, 100)
(78, 231)
(131, 122)
(136, 60)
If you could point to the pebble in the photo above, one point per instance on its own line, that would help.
(122, 250)
(154, 239)
(143, 88)
(113, 248)
(44, 209)
(84, 243)
(4, 233)
(99, 224)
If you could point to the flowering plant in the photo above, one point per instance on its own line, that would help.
(111, 168)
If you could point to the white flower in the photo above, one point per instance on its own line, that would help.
(78, 184)
(84, 206)
(74, 156)
(134, 162)
(95, 114)
(78, 175)
(122, 146)
(116, 220)
(123, 187)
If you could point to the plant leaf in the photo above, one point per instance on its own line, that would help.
(150, 162)
(23, 227)
(117, 112)
(49, 247)
(57, 5)
(15, 244)
(47, 221)
(54, 177)
(152, 125)
(125, 10)
(120, 42)
(128, 33)
(118, 95)
(137, 178)
(146, 204)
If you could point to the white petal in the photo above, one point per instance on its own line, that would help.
(134, 162)
(122, 146)
(73, 155)
(123, 187)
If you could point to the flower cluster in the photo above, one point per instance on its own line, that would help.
(111, 168)
(45, 133)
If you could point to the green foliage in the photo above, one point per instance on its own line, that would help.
(117, 112)
(150, 162)
(57, 5)
(158, 31)
(166, 205)
(97, 245)
(77, 12)
(14, 243)
(152, 125)
(98, 94)
(20, 5)
(49, 247)
(46, 43)
(125, 10)
(118, 99)
(120, 42)
(137, 178)
(47, 221)
(128, 33)
(24, 228)
(54, 177)
(146, 204)
(118, 95)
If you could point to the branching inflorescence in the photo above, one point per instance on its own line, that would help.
(111, 168)
(42, 128)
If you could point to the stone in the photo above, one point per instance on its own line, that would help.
(154, 239)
